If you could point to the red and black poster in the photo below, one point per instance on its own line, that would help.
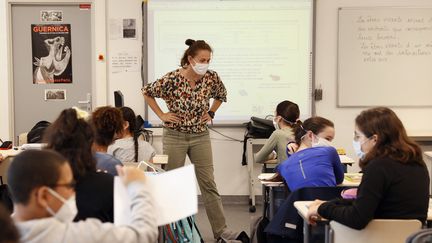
(52, 53)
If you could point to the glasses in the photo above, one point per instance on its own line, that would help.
(358, 136)
(70, 185)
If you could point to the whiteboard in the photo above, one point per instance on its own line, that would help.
(262, 50)
(385, 57)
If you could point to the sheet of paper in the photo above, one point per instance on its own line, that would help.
(174, 193)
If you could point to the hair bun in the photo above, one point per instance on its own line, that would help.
(189, 42)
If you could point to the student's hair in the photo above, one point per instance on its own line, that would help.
(289, 112)
(8, 231)
(73, 138)
(129, 116)
(194, 47)
(392, 139)
(32, 169)
(314, 124)
(107, 121)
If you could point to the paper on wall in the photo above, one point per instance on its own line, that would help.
(174, 193)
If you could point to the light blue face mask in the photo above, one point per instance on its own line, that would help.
(357, 148)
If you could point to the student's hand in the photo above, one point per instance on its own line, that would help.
(312, 214)
(292, 148)
(170, 117)
(130, 174)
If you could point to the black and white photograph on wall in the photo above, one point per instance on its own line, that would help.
(51, 53)
(129, 28)
(55, 94)
(51, 16)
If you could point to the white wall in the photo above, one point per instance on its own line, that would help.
(230, 176)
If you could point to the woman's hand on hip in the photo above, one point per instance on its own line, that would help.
(206, 118)
(170, 117)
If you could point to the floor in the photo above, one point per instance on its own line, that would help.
(237, 216)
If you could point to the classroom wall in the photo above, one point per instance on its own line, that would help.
(231, 177)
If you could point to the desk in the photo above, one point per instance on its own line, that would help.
(303, 207)
(269, 190)
(346, 182)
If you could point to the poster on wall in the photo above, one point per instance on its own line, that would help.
(51, 16)
(51, 53)
(55, 94)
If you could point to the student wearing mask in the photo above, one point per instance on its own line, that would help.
(130, 147)
(315, 163)
(42, 186)
(286, 115)
(107, 123)
(73, 137)
(395, 182)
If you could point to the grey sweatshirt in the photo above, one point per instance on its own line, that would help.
(141, 228)
(278, 142)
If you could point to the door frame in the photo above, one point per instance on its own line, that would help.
(99, 75)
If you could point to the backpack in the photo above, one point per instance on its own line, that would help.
(5, 196)
(36, 133)
(256, 128)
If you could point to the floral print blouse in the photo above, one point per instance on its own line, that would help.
(189, 104)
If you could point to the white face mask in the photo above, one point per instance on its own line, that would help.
(68, 210)
(200, 68)
(322, 142)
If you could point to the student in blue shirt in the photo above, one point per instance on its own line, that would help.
(315, 163)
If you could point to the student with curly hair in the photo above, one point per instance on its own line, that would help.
(107, 123)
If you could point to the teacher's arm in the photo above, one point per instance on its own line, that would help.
(165, 117)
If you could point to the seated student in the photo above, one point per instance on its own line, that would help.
(395, 182)
(287, 114)
(313, 164)
(73, 137)
(129, 148)
(107, 123)
(8, 231)
(42, 186)
(325, 132)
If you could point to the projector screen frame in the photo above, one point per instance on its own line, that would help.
(219, 123)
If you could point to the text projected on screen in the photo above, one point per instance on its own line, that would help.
(387, 51)
(261, 50)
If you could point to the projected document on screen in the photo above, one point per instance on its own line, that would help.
(261, 50)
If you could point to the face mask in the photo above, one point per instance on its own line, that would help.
(67, 211)
(322, 142)
(275, 124)
(357, 148)
(200, 68)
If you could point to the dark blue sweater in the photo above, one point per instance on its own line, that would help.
(312, 167)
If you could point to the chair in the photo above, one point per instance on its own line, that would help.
(377, 231)
(422, 236)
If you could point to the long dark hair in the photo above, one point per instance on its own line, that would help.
(194, 47)
(289, 112)
(129, 116)
(73, 138)
(314, 124)
(392, 139)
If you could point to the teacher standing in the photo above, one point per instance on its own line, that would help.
(187, 92)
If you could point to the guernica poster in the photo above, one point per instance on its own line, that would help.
(51, 53)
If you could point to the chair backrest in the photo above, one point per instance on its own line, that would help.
(422, 236)
(377, 231)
